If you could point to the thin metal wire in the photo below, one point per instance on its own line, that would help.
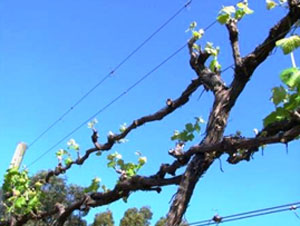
(249, 214)
(115, 99)
(110, 73)
(109, 104)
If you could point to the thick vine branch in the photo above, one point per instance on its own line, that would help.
(275, 133)
(279, 31)
(122, 190)
(262, 51)
(224, 101)
(171, 106)
(211, 81)
(233, 36)
(213, 145)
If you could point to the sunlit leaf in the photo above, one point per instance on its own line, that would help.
(225, 14)
(68, 161)
(130, 172)
(289, 44)
(92, 123)
(33, 202)
(279, 95)
(20, 202)
(189, 127)
(197, 127)
(293, 103)
(277, 115)
(111, 164)
(196, 47)
(188, 133)
(210, 49)
(123, 127)
(244, 6)
(198, 34)
(142, 160)
(94, 186)
(239, 14)
(270, 4)
(228, 10)
(73, 145)
(175, 135)
(120, 162)
(60, 153)
(223, 18)
(215, 65)
(291, 77)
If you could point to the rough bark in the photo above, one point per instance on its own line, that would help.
(199, 157)
(224, 101)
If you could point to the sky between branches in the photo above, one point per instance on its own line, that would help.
(53, 52)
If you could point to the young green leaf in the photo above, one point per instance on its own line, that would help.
(198, 34)
(23, 198)
(130, 172)
(279, 94)
(20, 202)
(270, 4)
(60, 153)
(210, 49)
(240, 13)
(277, 115)
(111, 157)
(33, 202)
(68, 161)
(189, 127)
(104, 188)
(94, 186)
(175, 135)
(242, 10)
(142, 160)
(92, 123)
(223, 18)
(123, 127)
(73, 145)
(228, 10)
(215, 65)
(188, 133)
(293, 103)
(196, 47)
(111, 164)
(289, 44)
(120, 162)
(225, 14)
(291, 77)
(244, 7)
(197, 127)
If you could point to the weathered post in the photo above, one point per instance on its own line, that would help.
(18, 155)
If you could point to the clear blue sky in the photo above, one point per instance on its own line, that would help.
(53, 52)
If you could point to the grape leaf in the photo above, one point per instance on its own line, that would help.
(223, 18)
(270, 4)
(291, 77)
(277, 115)
(289, 44)
(279, 95)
